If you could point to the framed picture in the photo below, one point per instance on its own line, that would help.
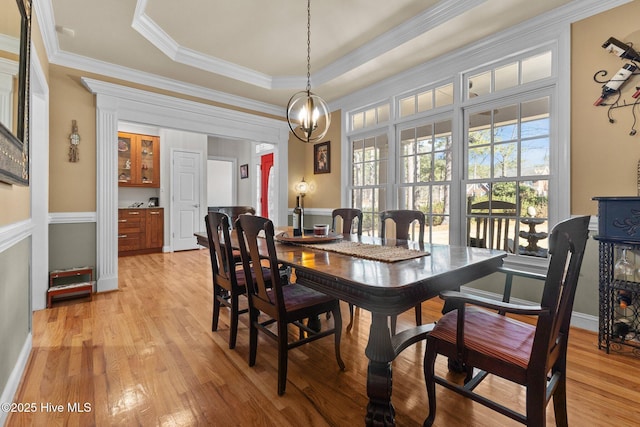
(322, 157)
(244, 171)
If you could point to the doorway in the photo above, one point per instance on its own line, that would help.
(266, 185)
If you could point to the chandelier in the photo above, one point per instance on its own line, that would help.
(307, 114)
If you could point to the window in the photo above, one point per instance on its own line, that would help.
(426, 100)
(369, 117)
(369, 178)
(491, 143)
(508, 159)
(425, 176)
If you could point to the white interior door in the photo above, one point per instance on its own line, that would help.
(187, 176)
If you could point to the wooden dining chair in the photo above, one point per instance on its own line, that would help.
(404, 219)
(285, 303)
(532, 355)
(348, 216)
(228, 276)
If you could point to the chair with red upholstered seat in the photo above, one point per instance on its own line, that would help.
(530, 354)
(285, 303)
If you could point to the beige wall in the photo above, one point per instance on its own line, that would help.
(325, 188)
(604, 158)
(72, 186)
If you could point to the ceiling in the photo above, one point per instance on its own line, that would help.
(257, 49)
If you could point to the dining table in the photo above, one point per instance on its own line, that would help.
(401, 275)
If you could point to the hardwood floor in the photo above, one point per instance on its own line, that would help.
(145, 355)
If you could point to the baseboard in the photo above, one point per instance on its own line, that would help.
(578, 320)
(13, 382)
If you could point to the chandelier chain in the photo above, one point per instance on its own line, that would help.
(308, 45)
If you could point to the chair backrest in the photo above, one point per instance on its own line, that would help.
(222, 260)
(566, 245)
(403, 219)
(262, 293)
(347, 215)
(233, 211)
(489, 223)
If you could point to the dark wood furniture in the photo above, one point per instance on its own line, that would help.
(284, 303)
(70, 282)
(532, 355)
(138, 160)
(403, 219)
(397, 287)
(619, 289)
(488, 224)
(140, 231)
(233, 211)
(348, 215)
(228, 276)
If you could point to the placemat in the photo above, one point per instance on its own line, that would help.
(368, 251)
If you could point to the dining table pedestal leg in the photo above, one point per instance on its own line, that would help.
(380, 351)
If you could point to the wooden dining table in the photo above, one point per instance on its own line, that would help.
(385, 289)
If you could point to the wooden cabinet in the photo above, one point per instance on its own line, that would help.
(138, 160)
(140, 231)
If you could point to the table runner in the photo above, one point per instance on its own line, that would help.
(369, 251)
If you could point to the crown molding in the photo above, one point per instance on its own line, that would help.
(534, 32)
(9, 44)
(44, 12)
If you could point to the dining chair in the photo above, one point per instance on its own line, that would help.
(404, 219)
(348, 215)
(533, 355)
(228, 276)
(284, 303)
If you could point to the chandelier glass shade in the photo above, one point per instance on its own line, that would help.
(308, 115)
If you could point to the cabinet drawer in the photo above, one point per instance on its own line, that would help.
(129, 241)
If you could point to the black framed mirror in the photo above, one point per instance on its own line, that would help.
(15, 34)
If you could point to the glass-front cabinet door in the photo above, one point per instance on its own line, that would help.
(138, 160)
(125, 145)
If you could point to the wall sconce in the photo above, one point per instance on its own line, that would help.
(74, 141)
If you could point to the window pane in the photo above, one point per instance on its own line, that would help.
(383, 113)
(535, 157)
(357, 121)
(407, 106)
(442, 166)
(505, 191)
(424, 167)
(425, 101)
(382, 172)
(506, 127)
(479, 163)
(536, 68)
(408, 170)
(357, 174)
(506, 77)
(444, 95)
(370, 117)
(480, 84)
(505, 160)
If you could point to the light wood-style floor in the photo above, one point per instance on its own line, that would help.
(145, 355)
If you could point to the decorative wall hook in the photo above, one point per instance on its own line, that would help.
(74, 141)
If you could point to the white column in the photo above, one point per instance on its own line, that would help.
(106, 193)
